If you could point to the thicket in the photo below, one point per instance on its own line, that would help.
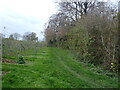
(90, 29)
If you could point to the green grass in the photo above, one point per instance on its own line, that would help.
(53, 68)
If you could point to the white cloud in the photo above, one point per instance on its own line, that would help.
(25, 15)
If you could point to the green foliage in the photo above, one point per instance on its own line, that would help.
(91, 33)
(20, 60)
(93, 38)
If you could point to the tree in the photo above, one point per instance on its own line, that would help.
(30, 36)
(89, 29)
(57, 28)
(11, 37)
(33, 37)
(75, 10)
(16, 36)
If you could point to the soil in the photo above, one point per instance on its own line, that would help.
(8, 61)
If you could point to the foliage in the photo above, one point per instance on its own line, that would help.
(11, 37)
(92, 35)
(30, 36)
(15, 36)
(20, 60)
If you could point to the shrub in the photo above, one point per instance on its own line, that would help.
(20, 60)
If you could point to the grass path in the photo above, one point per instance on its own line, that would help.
(78, 75)
(53, 68)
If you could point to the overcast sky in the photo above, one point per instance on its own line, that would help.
(25, 15)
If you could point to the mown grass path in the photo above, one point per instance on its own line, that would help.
(53, 68)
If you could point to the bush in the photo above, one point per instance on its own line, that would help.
(21, 60)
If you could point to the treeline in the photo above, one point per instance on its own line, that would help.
(87, 28)
(28, 36)
(14, 46)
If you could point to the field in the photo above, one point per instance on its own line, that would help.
(52, 68)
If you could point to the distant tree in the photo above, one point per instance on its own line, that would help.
(11, 37)
(33, 37)
(30, 36)
(16, 36)
(26, 36)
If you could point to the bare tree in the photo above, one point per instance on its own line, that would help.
(16, 36)
(77, 9)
